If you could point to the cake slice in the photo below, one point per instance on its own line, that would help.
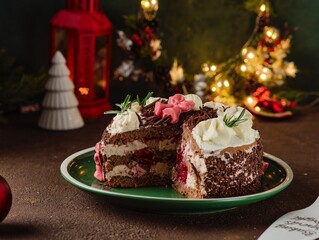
(138, 148)
(217, 158)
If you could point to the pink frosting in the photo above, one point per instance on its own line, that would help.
(99, 175)
(265, 166)
(175, 106)
(173, 112)
(159, 107)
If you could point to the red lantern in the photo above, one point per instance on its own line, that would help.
(83, 35)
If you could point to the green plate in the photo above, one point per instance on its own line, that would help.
(78, 169)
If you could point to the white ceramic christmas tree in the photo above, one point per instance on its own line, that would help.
(60, 110)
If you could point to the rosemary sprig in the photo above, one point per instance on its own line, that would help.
(128, 103)
(143, 102)
(123, 106)
(234, 122)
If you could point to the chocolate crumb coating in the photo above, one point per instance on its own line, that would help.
(233, 172)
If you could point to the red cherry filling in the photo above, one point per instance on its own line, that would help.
(182, 172)
(144, 156)
(180, 153)
(181, 169)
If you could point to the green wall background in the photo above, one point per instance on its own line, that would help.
(193, 31)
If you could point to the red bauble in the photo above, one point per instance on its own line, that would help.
(5, 198)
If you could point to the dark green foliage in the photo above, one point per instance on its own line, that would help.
(16, 86)
(198, 31)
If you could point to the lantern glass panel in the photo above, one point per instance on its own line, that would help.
(61, 37)
(65, 43)
(99, 67)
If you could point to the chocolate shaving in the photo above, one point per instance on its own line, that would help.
(139, 119)
(203, 114)
(162, 120)
(151, 104)
(150, 119)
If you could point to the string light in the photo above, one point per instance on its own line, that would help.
(213, 68)
(209, 69)
(226, 83)
(263, 77)
(262, 7)
(243, 68)
(250, 55)
(145, 4)
(205, 67)
(244, 51)
(250, 100)
(84, 90)
(257, 109)
(265, 70)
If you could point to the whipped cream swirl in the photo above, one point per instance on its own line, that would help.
(214, 135)
(196, 99)
(124, 122)
(219, 107)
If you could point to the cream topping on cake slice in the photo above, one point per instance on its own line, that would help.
(124, 122)
(216, 134)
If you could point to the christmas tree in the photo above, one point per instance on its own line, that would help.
(251, 76)
(146, 61)
(60, 110)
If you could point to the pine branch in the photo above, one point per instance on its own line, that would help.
(128, 103)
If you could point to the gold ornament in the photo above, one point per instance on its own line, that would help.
(271, 33)
(149, 8)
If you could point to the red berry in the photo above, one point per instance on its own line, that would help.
(147, 30)
(265, 104)
(5, 198)
(292, 104)
(152, 36)
(136, 38)
(277, 107)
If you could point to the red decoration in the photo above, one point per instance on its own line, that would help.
(83, 35)
(175, 106)
(5, 198)
(272, 103)
(264, 104)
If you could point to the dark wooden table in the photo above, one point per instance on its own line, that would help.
(45, 206)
